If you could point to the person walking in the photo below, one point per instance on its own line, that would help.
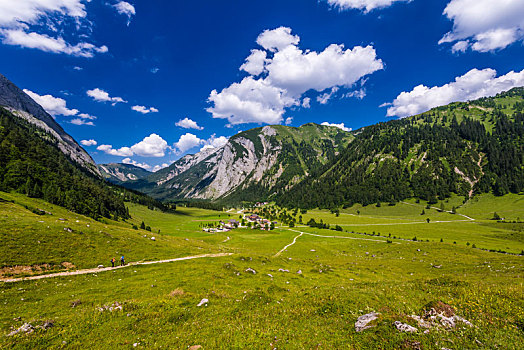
(122, 261)
(113, 262)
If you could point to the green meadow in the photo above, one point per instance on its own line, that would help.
(307, 297)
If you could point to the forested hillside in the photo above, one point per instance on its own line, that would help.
(36, 167)
(463, 148)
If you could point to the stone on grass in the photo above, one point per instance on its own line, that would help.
(203, 302)
(364, 320)
(249, 269)
(404, 327)
(26, 328)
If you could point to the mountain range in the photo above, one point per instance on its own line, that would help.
(464, 148)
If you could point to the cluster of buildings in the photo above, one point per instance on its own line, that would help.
(224, 226)
(254, 220)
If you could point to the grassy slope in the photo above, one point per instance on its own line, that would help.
(404, 221)
(341, 280)
(29, 239)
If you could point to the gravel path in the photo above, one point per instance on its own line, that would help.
(97, 270)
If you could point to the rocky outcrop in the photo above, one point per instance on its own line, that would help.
(21, 105)
(271, 157)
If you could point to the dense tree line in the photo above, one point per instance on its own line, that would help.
(428, 157)
(33, 165)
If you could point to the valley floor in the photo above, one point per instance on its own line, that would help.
(291, 288)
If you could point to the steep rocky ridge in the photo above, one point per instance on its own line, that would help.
(253, 163)
(21, 105)
(119, 173)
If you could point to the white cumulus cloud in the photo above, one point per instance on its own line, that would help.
(151, 146)
(126, 9)
(364, 5)
(484, 25)
(255, 62)
(46, 43)
(18, 20)
(187, 142)
(100, 95)
(122, 152)
(144, 110)
(278, 81)
(135, 163)
(58, 106)
(277, 39)
(53, 105)
(79, 121)
(88, 143)
(161, 166)
(470, 86)
(187, 123)
(340, 126)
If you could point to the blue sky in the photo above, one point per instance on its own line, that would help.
(124, 74)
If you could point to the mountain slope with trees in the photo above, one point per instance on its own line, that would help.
(252, 165)
(463, 148)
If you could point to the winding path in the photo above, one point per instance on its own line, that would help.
(96, 270)
(316, 235)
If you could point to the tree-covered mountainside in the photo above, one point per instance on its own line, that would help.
(252, 165)
(463, 148)
(31, 163)
(120, 173)
(13, 99)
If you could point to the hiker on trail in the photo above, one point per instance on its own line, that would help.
(113, 262)
(122, 261)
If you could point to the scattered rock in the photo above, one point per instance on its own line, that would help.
(299, 272)
(195, 347)
(364, 320)
(270, 275)
(312, 250)
(177, 292)
(412, 345)
(249, 269)
(48, 324)
(282, 270)
(67, 229)
(116, 306)
(404, 327)
(75, 303)
(437, 266)
(26, 328)
(203, 302)
(153, 238)
(100, 266)
(439, 314)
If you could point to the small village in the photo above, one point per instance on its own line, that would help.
(252, 221)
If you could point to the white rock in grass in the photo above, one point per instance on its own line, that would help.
(203, 302)
(25, 328)
(249, 269)
(153, 238)
(364, 320)
(403, 327)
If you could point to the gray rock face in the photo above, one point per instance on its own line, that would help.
(404, 327)
(274, 158)
(118, 173)
(364, 320)
(21, 105)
